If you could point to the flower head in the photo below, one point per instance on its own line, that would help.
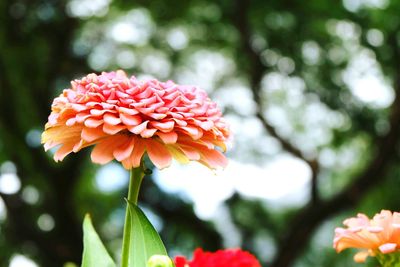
(124, 118)
(378, 235)
(220, 258)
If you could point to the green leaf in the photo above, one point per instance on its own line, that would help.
(94, 252)
(389, 260)
(144, 239)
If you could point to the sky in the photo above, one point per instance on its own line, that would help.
(280, 182)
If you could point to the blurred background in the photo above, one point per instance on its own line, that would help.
(310, 88)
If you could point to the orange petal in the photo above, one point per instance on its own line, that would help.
(178, 155)
(124, 151)
(112, 129)
(168, 138)
(214, 158)
(102, 153)
(158, 154)
(190, 152)
(361, 256)
(63, 151)
(127, 163)
(137, 153)
(91, 134)
(61, 134)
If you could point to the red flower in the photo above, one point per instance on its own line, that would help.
(220, 258)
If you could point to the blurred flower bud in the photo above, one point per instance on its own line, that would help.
(159, 261)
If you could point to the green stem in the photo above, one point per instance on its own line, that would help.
(135, 180)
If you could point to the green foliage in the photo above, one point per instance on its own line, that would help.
(389, 260)
(144, 239)
(94, 252)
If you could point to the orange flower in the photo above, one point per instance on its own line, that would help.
(124, 118)
(379, 235)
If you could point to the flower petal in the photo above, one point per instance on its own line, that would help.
(387, 248)
(112, 129)
(158, 154)
(168, 138)
(92, 134)
(361, 256)
(131, 120)
(125, 150)
(214, 158)
(102, 153)
(137, 153)
(63, 151)
(111, 119)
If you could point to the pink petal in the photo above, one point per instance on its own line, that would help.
(388, 248)
(163, 126)
(131, 120)
(147, 133)
(70, 122)
(157, 116)
(98, 112)
(374, 229)
(128, 111)
(139, 128)
(78, 107)
(207, 125)
(93, 123)
(111, 119)
(194, 132)
(81, 117)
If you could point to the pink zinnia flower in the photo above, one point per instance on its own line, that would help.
(220, 258)
(378, 235)
(124, 118)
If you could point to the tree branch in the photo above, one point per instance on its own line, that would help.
(311, 216)
(256, 70)
(308, 219)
